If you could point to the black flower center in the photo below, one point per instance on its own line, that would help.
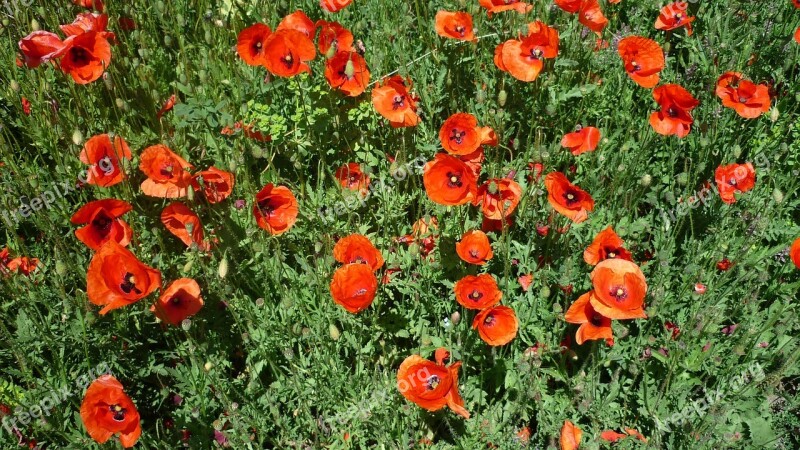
(128, 284)
(454, 179)
(620, 293)
(118, 411)
(457, 135)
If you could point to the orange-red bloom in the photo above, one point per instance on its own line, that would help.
(794, 252)
(166, 174)
(643, 59)
(591, 16)
(674, 16)
(477, 291)
(474, 248)
(167, 107)
(585, 139)
(251, 44)
(93, 4)
(393, 100)
(298, 21)
(104, 159)
(179, 301)
(613, 436)
(606, 245)
(86, 22)
(354, 286)
(431, 385)
(115, 278)
(275, 209)
(107, 411)
(570, 436)
(286, 52)
(496, 6)
(333, 38)
(460, 134)
(183, 223)
(797, 35)
(40, 47)
(619, 289)
(568, 199)
(103, 223)
(748, 99)
(20, 264)
(347, 72)
(497, 325)
(524, 58)
(449, 181)
(217, 185)
(351, 177)
(734, 178)
(333, 6)
(593, 324)
(455, 25)
(499, 198)
(674, 117)
(85, 56)
(357, 248)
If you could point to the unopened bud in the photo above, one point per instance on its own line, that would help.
(223, 267)
(77, 137)
(334, 332)
(502, 97)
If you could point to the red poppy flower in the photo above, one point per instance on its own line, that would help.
(333, 6)
(496, 6)
(20, 264)
(251, 44)
(298, 21)
(449, 181)
(748, 99)
(107, 411)
(351, 177)
(570, 436)
(461, 135)
(594, 325)
(674, 16)
(797, 35)
(474, 161)
(794, 252)
(179, 301)
(40, 47)
(477, 291)
(525, 281)
(606, 245)
(474, 247)
(393, 100)
(612, 436)
(643, 59)
(524, 58)
(104, 159)
(497, 325)
(585, 139)
(357, 248)
(570, 6)
(275, 209)
(103, 223)
(93, 4)
(499, 198)
(796, 3)
(734, 178)
(166, 174)
(333, 38)
(168, 105)
(455, 25)
(115, 278)
(286, 52)
(85, 56)
(183, 223)
(430, 385)
(354, 286)
(217, 185)
(347, 72)
(674, 117)
(591, 16)
(566, 198)
(86, 22)
(619, 289)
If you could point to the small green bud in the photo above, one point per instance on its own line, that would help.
(502, 97)
(222, 271)
(334, 332)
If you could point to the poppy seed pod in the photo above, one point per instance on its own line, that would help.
(222, 271)
(502, 97)
(77, 137)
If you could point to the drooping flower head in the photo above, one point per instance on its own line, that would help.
(183, 223)
(347, 72)
(216, 184)
(584, 139)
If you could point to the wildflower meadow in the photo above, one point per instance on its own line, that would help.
(386, 224)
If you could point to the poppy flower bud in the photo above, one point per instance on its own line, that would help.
(77, 137)
(187, 267)
(683, 178)
(777, 195)
(61, 268)
(14, 86)
(208, 366)
(120, 103)
(223, 267)
(774, 114)
(480, 97)
(645, 180)
(737, 151)
(544, 292)
(186, 324)
(550, 109)
(35, 25)
(190, 197)
(108, 81)
(455, 318)
(502, 97)
(334, 332)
